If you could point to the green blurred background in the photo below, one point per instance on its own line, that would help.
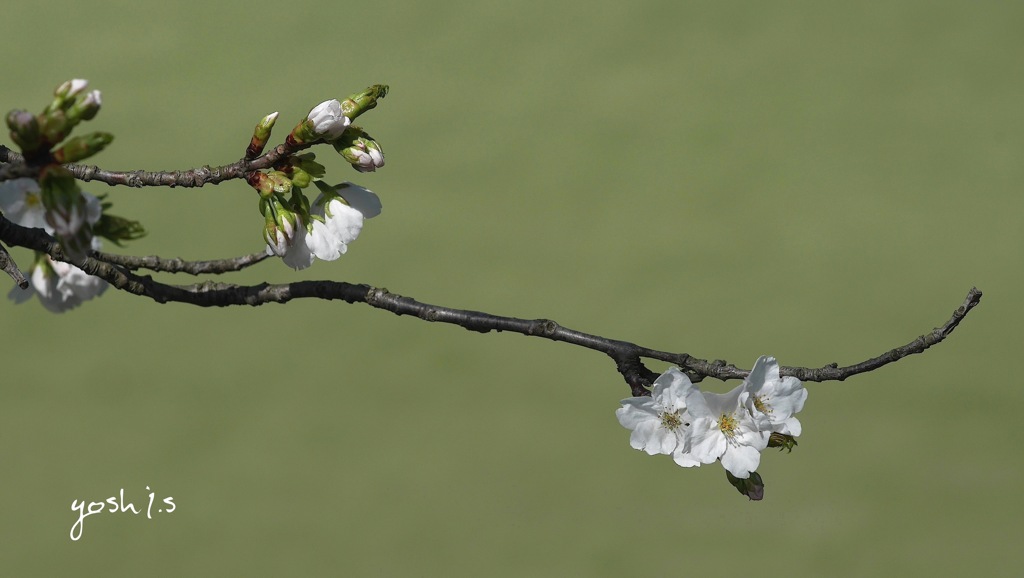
(817, 181)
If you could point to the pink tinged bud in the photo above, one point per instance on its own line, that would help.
(377, 156)
(363, 160)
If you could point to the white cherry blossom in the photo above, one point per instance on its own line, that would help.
(772, 399)
(659, 423)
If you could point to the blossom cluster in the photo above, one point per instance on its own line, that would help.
(299, 231)
(697, 427)
(59, 286)
(321, 231)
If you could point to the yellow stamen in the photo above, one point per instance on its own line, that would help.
(671, 420)
(728, 424)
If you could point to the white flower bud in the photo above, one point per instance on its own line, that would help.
(328, 120)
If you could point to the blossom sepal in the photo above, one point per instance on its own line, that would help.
(303, 170)
(118, 229)
(782, 441)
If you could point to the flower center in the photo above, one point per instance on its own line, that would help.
(728, 424)
(33, 199)
(671, 420)
(761, 404)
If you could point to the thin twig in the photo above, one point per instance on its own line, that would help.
(163, 265)
(627, 356)
(205, 175)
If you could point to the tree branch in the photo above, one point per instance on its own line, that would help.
(11, 268)
(205, 175)
(627, 356)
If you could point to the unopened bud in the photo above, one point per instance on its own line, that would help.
(362, 152)
(24, 130)
(751, 487)
(54, 126)
(279, 182)
(300, 178)
(325, 121)
(82, 147)
(63, 95)
(260, 136)
(279, 224)
(261, 183)
(71, 88)
(357, 104)
(86, 108)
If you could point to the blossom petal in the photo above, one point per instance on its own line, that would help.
(635, 410)
(685, 459)
(361, 199)
(671, 388)
(740, 460)
(707, 442)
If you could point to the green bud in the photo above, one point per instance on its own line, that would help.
(360, 150)
(262, 184)
(70, 88)
(280, 223)
(63, 95)
(260, 136)
(752, 487)
(279, 182)
(300, 178)
(85, 108)
(359, 103)
(302, 133)
(82, 147)
(54, 126)
(24, 130)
